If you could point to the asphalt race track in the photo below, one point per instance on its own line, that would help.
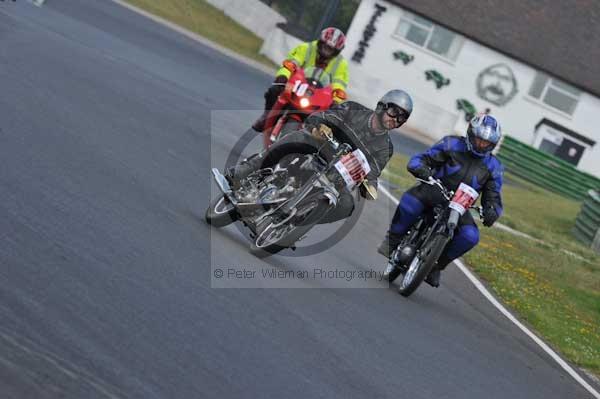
(107, 265)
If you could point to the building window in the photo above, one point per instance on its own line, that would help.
(425, 33)
(555, 93)
(561, 141)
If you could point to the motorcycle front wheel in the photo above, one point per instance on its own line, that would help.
(220, 212)
(422, 264)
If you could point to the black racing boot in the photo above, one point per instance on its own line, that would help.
(259, 125)
(237, 173)
(389, 244)
(433, 279)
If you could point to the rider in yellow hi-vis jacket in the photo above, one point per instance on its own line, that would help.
(323, 53)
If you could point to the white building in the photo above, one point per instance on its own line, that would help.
(535, 107)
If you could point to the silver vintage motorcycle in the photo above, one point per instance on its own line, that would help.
(281, 203)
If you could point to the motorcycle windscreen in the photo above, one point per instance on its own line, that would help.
(353, 168)
(463, 198)
(318, 75)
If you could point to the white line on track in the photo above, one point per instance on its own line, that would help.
(458, 262)
(486, 293)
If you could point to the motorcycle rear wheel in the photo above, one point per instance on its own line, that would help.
(422, 264)
(272, 238)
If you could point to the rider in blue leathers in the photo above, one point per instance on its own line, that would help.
(453, 160)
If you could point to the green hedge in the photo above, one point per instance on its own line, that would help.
(545, 170)
(587, 224)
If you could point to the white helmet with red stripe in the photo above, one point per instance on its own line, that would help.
(332, 38)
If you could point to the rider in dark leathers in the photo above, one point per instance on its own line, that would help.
(453, 160)
(351, 123)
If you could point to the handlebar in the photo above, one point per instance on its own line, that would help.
(431, 181)
(340, 148)
(448, 194)
(345, 148)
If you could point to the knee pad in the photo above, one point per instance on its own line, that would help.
(411, 205)
(464, 240)
(469, 234)
(409, 209)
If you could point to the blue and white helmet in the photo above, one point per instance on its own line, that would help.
(483, 134)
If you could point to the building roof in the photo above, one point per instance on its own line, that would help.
(561, 38)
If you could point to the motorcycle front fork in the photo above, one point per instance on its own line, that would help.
(402, 261)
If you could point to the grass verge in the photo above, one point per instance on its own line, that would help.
(202, 18)
(558, 294)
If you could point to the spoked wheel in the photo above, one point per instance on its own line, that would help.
(220, 212)
(270, 236)
(422, 264)
(274, 235)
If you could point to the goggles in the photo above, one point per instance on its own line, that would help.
(397, 114)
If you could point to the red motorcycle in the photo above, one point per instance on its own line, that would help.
(306, 91)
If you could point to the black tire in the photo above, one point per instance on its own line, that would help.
(220, 212)
(426, 258)
(296, 231)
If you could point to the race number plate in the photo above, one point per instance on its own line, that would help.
(353, 167)
(300, 88)
(463, 198)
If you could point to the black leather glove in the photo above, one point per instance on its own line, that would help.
(368, 191)
(422, 172)
(280, 79)
(273, 92)
(489, 216)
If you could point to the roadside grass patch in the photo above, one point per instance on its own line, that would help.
(556, 293)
